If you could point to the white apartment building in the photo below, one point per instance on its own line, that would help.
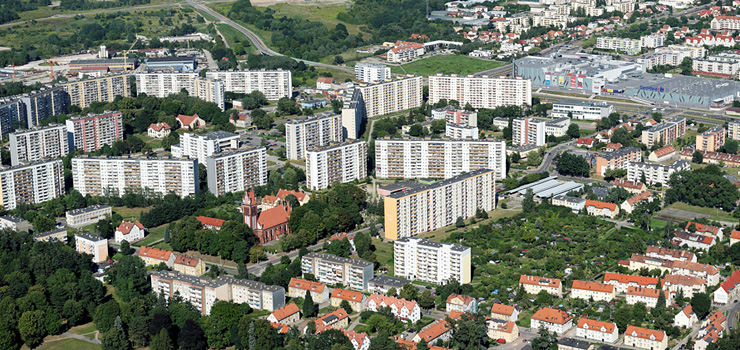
(430, 207)
(331, 269)
(461, 132)
(623, 282)
(102, 176)
(647, 296)
(86, 243)
(553, 320)
(654, 172)
(581, 110)
(599, 331)
(733, 130)
(588, 290)
(236, 170)
(725, 22)
(371, 72)
(342, 162)
(643, 338)
(308, 133)
(83, 92)
(202, 146)
(528, 131)
(257, 295)
(275, 84)
(688, 285)
(164, 84)
(630, 46)
(480, 92)
(92, 132)
(432, 262)
(667, 131)
(37, 143)
(576, 204)
(409, 158)
(670, 254)
(31, 183)
(367, 100)
(401, 308)
(557, 127)
(88, 215)
(723, 65)
(534, 284)
(652, 41)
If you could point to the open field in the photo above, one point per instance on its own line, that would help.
(714, 214)
(324, 13)
(154, 235)
(130, 213)
(59, 343)
(84, 329)
(446, 64)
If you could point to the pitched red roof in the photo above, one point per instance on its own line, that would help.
(600, 205)
(595, 325)
(586, 141)
(466, 300)
(731, 282)
(285, 311)
(665, 151)
(154, 253)
(635, 185)
(713, 230)
(347, 295)
(159, 126)
(735, 234)
(306, 285)
(540, 281)
(595, 286)
(639, 198)
(684, 280)
(325, 80)
(282, 329)
(329, 319)
(187, 119)
(126, 226)
(434, 331)
(547, 314)
(501, 309)
(273, 217)
(186, 260)
(204, 220)
(284, 193)
(644, 333)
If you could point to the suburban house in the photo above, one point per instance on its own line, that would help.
(686, 318)
(504, 312)
(705, 230)
(692, 240)
(189, 266)
(634, 187)
(534, 284)
(159, 130)
(502, 329)
(401, 308)
(190, 121)
(728, 289)
(357, 301)
(629, 205)
(711, 330)
(337, 319)
(599, 331)
(462, 303)
(211, 223)
(437, 331)
(297, 288)
(598, 208)
(553, 320)
(155, 256)
(360, 341)
(644, 338)
(281, 328)
(588, 290)
(288, 315)
(130, 231)
(734, 237)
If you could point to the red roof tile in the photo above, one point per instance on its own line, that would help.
(540, 281)
(204, 220)
(306, 285)
(186, 260)
(273, 217)
(154, 253)
(595, 325)
(600, 205)
(595, 286)
(644, 333)
(125, 227)
(501, 309)
(547, 314)
(285, 311)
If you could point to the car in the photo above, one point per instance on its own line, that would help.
(428, 287)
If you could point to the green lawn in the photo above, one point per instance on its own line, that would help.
(715, 214)
(84, 329)
(384, 254)
(66, 344)
(326, 14)
(163, 245)
(446, 64)
(130, 213)
(155, 234)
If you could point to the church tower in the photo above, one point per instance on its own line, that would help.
(249, 209)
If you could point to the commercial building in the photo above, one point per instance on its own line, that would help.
(557, 321)
(461, 132)
(333, 270)
(480, 92)
(275, 84)
(655, 173)
(102, 176)
(202, 146)
(588, 290)
(430, 207)
(31, 183)
(711, 140)
(171, 64)
(37, 143)
(432, 262)
(528, 131)
(534, 284)
(409, 158)
(42, 104)
(619, 159)
(581, 109)
(112, 64)
(665, 132)
(92, 132)
(401, 308)
(643, 338)
(343, 162)
(308, 133)
(86, 243)
(236, 170)
(600, 331)
(105, 88)
(164, 84)
(371, 72)
(88, 215)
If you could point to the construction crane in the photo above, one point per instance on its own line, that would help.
(125, 54)
(51, 66)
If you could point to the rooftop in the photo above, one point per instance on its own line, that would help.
(432, 244)
(389, 281)
(443, 183)
(338, 259)
(91, 208)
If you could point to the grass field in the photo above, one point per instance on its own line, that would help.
(446, 64)
(84, 329)
(715, 214)
(154, 235)
(384, 253)
(326, 14)
(130, 213)
(66, 344)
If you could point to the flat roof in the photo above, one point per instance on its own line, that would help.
(682, 84)
(399, 185)
(442, 183)
(12, 218)
(581, 103)
(389, 281)
(188, 59)
(532, 184)
(560, 189)
(432, 244)
(311, 118)
(338, 259)
(88, 209)
(90, 237)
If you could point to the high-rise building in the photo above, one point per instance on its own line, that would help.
(164, 84)
(409, 158)
(311, 132)
(666, 132)
(432, 262)
(92, 132)
(31, 183)
(619, 159)
(343, 162)
(711, 140)
(480, 92)
(430, 207)
(733, 128)
(371, 72)
(202, 146)
(100, 89)
(275, 84)
(12, 112)
(37, 143)
(331, 269)
(103, 176)
(353, 111)
(528, 131)
(44, 103)
(236, 170)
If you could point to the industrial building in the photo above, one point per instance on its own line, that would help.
(547, 187)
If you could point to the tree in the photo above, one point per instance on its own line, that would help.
(481, 214)
(161, 341)
(261, 119)
(346, 306)
(391, 292)
(31, 327)
(384, 342)
(309, 307)
(125, 247)
(409, 292)
(257, 254)
(460, 222)
(660, 306)
(426, 300)
(702, 304)
(697, 157)
(73, 312)
(422, 345)
(622, 316)
(574, 131)
(545, 341)
(639, 311)
(115, 339)
(191, 337)
(569, 164)
(43, 223)
(516, 157)
(731, 146)
(167, 234)
(686, 66)
(105, 315)
(544, 298)
(528, 203)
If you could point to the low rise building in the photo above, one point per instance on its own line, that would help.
(634, 187)
(688, 285)
(500, 329)
(692, 240)
(438, 331)
(686, 318)
(598, 208)
(599, 331)
(380, 284)
(462, 303)
(357, 301)
(86, 243)
(662, 154)
(588, 290)
(670, 254)
(712, 329)
(534, 284)
(129, 231)
(643, 338)
(504, 312)
(647, 296)
(629, 205)
(297, 288)
(155, 256)
(87, 216)
(581, 110)
(337, 319)
(11, 222)
(191, 266)
(576, 204)
(401, 308)
(654, 173)
(623, 282)
(557, 321)
(158, 130)
(287, 315)
(728, 290)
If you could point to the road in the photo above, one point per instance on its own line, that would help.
(549, 156)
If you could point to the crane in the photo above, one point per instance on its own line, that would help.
(125, 54)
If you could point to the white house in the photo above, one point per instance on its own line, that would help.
(599, 331)
(557, 321)
(686, 318)
(728, 290)
(462, 303)
(159, 130)
(401, 308)
(130, 231)
(588, 290)
(504, 312)
(643, 338)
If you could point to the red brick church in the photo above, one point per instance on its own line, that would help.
(268, 225)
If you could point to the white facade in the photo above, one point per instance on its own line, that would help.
(654, 173)
(528, 131)
(438, 158)
(432, 262)
(331, 269)
(37, 143)
(164, 84)
(723, 64)
(344, 162)
(371, 72)
(31, 183)
(202, 146)
(599, 331)
(311, 132)
(130, 232)
(557, 127)
(457, 131)
(92, 132)
(480, 92)
(238, 170)
(630, 46)
(652, 41)
(582, 110)
(275, 84)
(401, 308)
(391, 95)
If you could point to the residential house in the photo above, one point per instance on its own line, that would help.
(288, 315)
(190, 121)
(692, 240)
(324, 83)
(647, 296)
(502, 329)
(643, 338)
(553, 320)
(189, 266)
(585, 142)
(662, 154)
(686, 318)
(337, 319)
(712, 329)
(159, 130)
(129, 231)
(598, 208)
(599, 331)
(534, 284)
(576, 204)
(622, 282)
(297, 288)
(574, 344)
(689, 285)
(734, 237)
(401, 308)
(439, 331)
(588, 290)
(504, 312)
(629, 205)
(360, 341)
(706, 230)
(634, 187)
(462, 303)
(357, 301)
(670, 254)
(155, 256)
(210, 223)
(728, 290)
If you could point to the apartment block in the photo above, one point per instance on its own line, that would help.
(618, 159)
(670, 254)
(557, 127)
(333, 270)
(297, 288)
(432, 262)
(275, 84)
(353, 113)
(665, 132)
(164, 84)
(721, 65)
(528, 131)
(308, 133)
(37, 143)
(647, 296)
(630, 46)
(452, 115)
(654, 172)
(202, 146)
(688, 285)
(643, 338)
(581, 110)
(86, 243)
(430, 207)
(371, 72)
(711, 140)
(88, 215)
(42, 104)
(367, 100)
(480, 92)
(733, 129)
(92, 132)
(534, 284)
(106, 88)
(401, 308)
(31, 183)
(103, 176)
(623, 282)
(12, 114)
(725, 22)
(405, 51)
(357, 301)
(588, 290)
(343, 162)
(461, 132)
(236, 170)
(557, 321)
(155, 256)
(444, 158)
(599, 331)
